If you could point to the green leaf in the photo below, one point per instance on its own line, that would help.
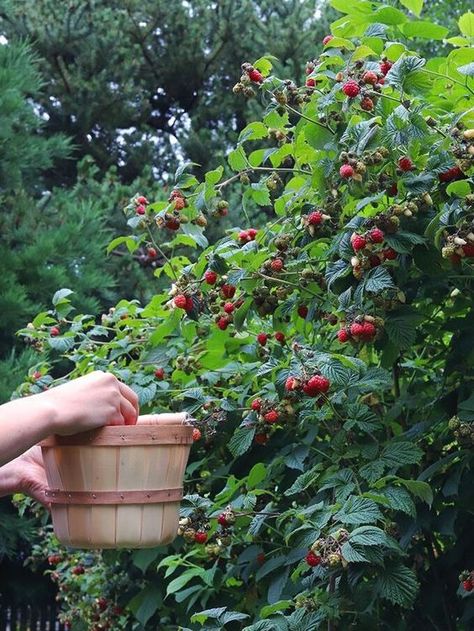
(264, 64)
(361, 52)
(399, 453)
(419, 489)
(459, 189)
(178, 583)
(253, 131)
(303, 481)
(241, 440)
(352, 555)
(145, 603)
(142, 558)
(260, 194)
(424, 30)
(281, 605)
(358, 510)
(400, 500)
(212, 177)
(397, 584)
(61, 295)
(389, 15)
(415, 6)
(377, 280)
(368, 536)
(237, 160)
(340, 42)
(257, 474)
(466, 24)
(402, 326)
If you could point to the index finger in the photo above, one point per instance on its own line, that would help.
(130, 395)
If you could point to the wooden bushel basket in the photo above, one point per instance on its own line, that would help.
(118, 486)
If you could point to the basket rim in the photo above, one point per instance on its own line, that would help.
(125, 435)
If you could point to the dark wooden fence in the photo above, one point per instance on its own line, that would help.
(29, 619)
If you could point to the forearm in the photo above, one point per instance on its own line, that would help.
(23, 423)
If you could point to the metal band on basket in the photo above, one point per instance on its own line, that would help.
(57, 496)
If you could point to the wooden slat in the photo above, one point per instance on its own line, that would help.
(130, 435)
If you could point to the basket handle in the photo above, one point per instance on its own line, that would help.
(168, 418)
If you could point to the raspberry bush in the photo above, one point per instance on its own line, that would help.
(326, 354)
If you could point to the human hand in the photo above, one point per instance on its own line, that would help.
(92, 401)
(25, 474)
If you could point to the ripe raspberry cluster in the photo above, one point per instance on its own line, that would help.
(460, 244)
(368, 250)
(360, 329)
(466, 579)
(326, 551)
(312, 386)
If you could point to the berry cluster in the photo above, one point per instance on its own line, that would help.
(195, 527)
(355, 166)
(327, 551)
(459, 244)
(466, 578)
(141, 204)
(250, 75)
(463, 148)
(369, 253)
(313, 221)
(362, 328)
(364, 82)
(312, 386)
(463, 431)
(245, 236)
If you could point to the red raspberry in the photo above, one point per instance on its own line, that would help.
(102, 603)
(256, 405)
(229, 307)
(405, 164)
(357, 329)
(228, 291)
(368, 330)
(140, 209)
(351, 89)
(36, 375)
(280, 337)
(316, 385)
(291, 384)
(277, 265)
(392, 190)
(327, 39)
(78, 570)
(389, 254)
(262, 338)
(312, 559)
(455, 259)
(255, 76)
(223, 323)
(222, 521)
(272, 416)
(342, 336)
(310, 83)
(244, 236)
(367, 104)
(454, 173)
(370, 77)
(376, 235)
(200, 536)
(179, 203)
(346, 171)
(358, 242)
(174, 194)
(189, 304)
(210, 277)
(261, 439)
(252, 233)
(54, 331)
(180, 301)
(303, 311)
(54, 559)
(385, 66)
(381, 81)
(260, 558)
(142, 200)
(468, 250)
(160, 373)
(468, 585)
(151, 253)
(315, 218)
(196, 434)
(374, 260)
(173, 224)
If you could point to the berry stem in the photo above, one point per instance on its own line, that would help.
(450, 79)
(310, 120)
(158, 249)
(252, 169)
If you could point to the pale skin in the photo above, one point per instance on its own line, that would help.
(83, 404)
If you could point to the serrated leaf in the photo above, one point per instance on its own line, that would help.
(358, 510)
(419, 489)
(400, 500)
(466, 24)
(399, 453)
(377, 280)
(302, 482)
(352, 555)
(397, 584)
(61, 295)
(241, 440)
